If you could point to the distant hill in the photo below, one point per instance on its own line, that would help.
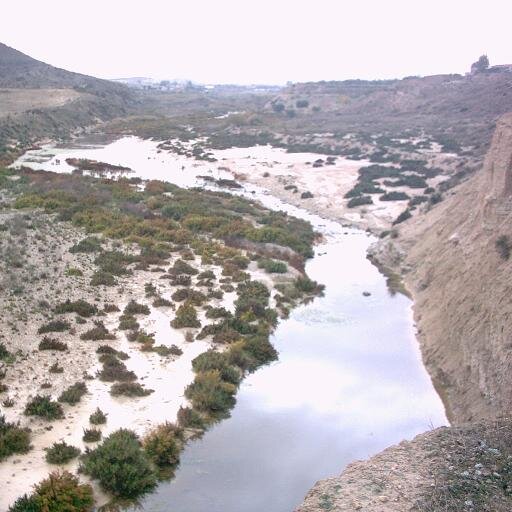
(464, 107)
(18, 70)
(40, 101)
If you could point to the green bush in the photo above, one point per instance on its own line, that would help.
(44, 407)
(91, 435)
(209, 393)
(260, 349)
(80, 307)
(97, 333)
(4, 353)
(55, 368)
(87, 245)
(163, 444)
(13, 438)
(134, 308)
(51, 344)
(60, 492)
(213, 360)
(253, 298)
(130, 389)
(120, 465)
(61, 453)
(503, 246)
(102, 278)
(359, 201)
(73, 393)
(192, 296)
(406, 214)
(305, 285)
(217, 313)
(273, 266)
(54, 326)
(394, 196)
(114, 370)
(98, 417)
(186, 316)
(128, 323)
(182, 267)
(189, 418)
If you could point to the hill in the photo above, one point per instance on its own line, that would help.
(40, 101)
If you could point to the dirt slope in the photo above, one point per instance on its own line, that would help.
(461, 286)
(461, 283)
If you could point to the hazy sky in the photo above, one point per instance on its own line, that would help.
(259, 41)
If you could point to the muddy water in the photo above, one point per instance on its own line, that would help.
(349, 380)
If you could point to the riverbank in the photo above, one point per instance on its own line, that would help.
(77, 301)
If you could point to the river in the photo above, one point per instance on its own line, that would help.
(349, 381)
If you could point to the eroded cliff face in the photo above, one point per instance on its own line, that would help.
(462, 286)
(454, 263)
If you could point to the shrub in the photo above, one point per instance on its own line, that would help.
(60, 492)
(13, 438)
(182, 267)
(161, 302)
(217, 313)
(503, 247)
(359, 201)
(406, 214)
(207, 274)
(114, 370)
(44, 407)
(102, 278)
(163, 444)
(134, 308)
(54, 326)
(253, 297)
(115, 262)
(98, 332)
(260, 349)
(209, 393)
(73, 393)
(306, 285)
(394, 196)
(273, 266)
(128, 323)
(306, 195)
(130, 389)
(186, 316)
(120, 465)
(74, 272)
(164, 351)
(61, 453)
(51, 344)
(91, 435)
(80, 307)
(4, 353)
(98, 417)
(181, 280)
(213, 360)
(87, 245)
(110, 308)
(189, 418)
(55, 368)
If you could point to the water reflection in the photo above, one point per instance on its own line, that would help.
(349, 380)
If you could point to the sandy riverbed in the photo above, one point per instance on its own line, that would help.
(46, 257)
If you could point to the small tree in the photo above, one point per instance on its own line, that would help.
(480, 65)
